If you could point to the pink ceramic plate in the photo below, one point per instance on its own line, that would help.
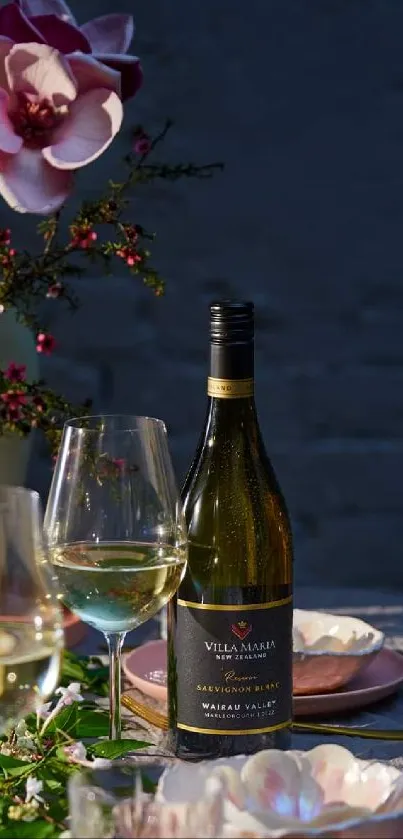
(380, 679)
(146, 669)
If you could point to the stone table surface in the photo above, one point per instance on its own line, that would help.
(383, 609)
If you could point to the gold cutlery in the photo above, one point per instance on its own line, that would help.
(144, 712)
(160, 720)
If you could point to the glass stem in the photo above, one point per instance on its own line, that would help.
(115, 643)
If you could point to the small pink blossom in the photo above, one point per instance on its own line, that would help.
(132, 232)
(14, 401)
(45, 343)
(15, 372)
(83, 236)
(57, 114)
(6, 258)
(54, 291)
(129, 254)
(5, 236)
(39, 404)
(142, 145)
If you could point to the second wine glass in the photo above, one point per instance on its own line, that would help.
(115, 528)
(31, 633)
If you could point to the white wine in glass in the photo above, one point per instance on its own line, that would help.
(31, 633)
(115, 527)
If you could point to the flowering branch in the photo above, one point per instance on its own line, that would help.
(26, 280)
(99, 232)
(28, 405)
(39, 755)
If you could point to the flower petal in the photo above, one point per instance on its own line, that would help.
(10, 142)
(90, 73)
(15, 25)
(93, 121)
(40, 70)
(30, 185)
(48, 7)
(61, 34)
(5, 47)
(130, 69)
(110, 33)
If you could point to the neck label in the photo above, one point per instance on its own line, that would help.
(230, 388)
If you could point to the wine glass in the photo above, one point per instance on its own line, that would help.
(31, 623)
(115, 527)
(133, 802)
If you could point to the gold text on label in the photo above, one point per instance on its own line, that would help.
(230, 388)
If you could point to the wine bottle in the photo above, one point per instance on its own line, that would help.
(230, 623)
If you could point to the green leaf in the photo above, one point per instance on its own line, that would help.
(75, 668)
(5, 802)
(116, 748)
(54, 774)
(30, 722)
(38, 829)
(65, 721)
(11, 766)
(9, 762)
(72, 668)
(92, 724)
(59, 809)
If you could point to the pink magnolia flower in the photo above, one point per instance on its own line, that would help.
(51, 22)
(57, 114)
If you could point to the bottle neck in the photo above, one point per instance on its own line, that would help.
(231, 382)
(233, 362)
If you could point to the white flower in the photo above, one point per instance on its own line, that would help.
(67, 697)
(76, 751)
(43, 711)
(32, 788)
(70, 694)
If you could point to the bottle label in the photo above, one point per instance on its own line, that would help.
(230, 388)
(234, 667)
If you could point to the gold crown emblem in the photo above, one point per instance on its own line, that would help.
(242, 624)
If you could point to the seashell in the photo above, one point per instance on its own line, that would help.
(326, 792)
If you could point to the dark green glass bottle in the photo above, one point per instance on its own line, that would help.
(230, 624)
